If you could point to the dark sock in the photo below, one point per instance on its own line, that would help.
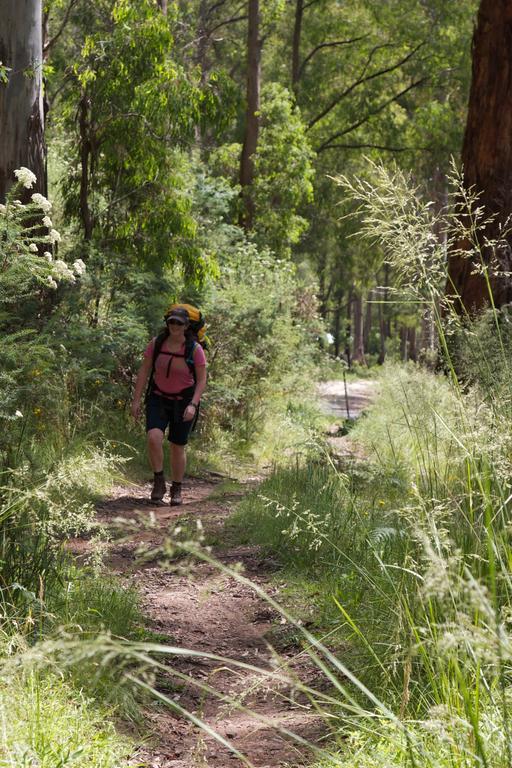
(175, 484)
(159, 474)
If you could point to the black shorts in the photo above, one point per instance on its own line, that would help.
(162, 413)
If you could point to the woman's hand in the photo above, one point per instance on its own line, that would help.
(190, 412)
(135, 409)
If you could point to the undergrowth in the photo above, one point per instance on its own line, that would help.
(46, 722)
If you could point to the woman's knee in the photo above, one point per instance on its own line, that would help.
(155, 437)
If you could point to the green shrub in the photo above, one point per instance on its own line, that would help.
(39, 508)
(44, 722)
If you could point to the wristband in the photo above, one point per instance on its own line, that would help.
(194, 405)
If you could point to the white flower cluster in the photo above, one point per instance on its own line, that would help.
(42, 202)
(25, 177)
(62, 272)
(79, 267)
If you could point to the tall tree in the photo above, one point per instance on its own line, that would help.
(252, 120)
(487, 164)
(21, 92)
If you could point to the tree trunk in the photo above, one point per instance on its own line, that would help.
(202, 41)
(337, 329)
(163, 6)
(250, 144)
(367, 330)
(85, 157)
(411, 344)
(403, 344)
(297, 30)
(487, 159)
(21, 97)
(358, 343)
(348, 329)
(382, 335)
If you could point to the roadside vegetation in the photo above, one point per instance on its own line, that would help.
(396, 557)
(401, 560)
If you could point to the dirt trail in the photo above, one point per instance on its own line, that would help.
(198, 607)
(346, 403)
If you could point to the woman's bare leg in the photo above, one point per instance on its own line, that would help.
(178, 462)
(156, 449)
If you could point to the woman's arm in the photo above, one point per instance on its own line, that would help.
(200, 383)
(140, 384)
(191, 409)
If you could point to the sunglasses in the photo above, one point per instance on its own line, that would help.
(173, 321)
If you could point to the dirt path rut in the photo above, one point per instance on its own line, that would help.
(197, 607)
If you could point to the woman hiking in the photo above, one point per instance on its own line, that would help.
(178, 379)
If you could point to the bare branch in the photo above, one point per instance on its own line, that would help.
(364, 79)
(333, 44)
(62, 27)
(225, 23)
(382, 147)
(328, 142)
(215, 7)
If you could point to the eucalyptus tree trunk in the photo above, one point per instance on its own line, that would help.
(163, 6)
(297, 31)
(368, 320)
(21, 94)
(382, 335)
(254, 45)
(411, 343)
(358, 344)
(487, 160)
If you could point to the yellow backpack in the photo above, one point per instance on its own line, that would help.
(197, 323)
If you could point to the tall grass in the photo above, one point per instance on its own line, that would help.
(412, 549)
(44, 722)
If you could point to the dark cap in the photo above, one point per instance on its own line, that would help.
(178, 314)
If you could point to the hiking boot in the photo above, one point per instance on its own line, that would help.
(176, 499)
(159, 487)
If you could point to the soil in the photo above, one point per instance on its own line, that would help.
(194, 605)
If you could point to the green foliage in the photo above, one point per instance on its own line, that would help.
(263, 341)
(408, 557)
(39, 507)
(44, 722)
(140, 107)
(28, 280)
(283, 171)
(482, 352)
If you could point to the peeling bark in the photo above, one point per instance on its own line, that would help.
(487, 155)
(21, 97)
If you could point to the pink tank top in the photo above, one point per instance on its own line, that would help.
(172, 373)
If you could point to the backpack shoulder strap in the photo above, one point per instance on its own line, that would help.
(159, 340)
(190, 348)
